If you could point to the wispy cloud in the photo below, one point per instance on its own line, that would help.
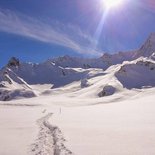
(52, 33)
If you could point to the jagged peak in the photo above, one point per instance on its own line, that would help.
(13, 62)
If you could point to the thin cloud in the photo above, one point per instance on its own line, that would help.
(64, 35)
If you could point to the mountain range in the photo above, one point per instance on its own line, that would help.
(120, 71)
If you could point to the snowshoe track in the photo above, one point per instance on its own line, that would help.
(50, 140)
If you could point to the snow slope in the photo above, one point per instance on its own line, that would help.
(126, 127)
(72, 125)
(137, 74)
(13, 87)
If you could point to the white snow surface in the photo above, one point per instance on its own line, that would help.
(75, 120)
(65, 124)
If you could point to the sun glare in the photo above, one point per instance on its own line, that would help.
(111, 3)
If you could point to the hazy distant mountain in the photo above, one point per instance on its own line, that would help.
(103, 62)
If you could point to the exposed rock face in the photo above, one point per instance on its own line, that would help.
(84, 83)
(13, 62)
(107, 91)
(7, 95)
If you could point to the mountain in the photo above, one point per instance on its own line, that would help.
(20, 76)
(43, 73)
(133, 69)
(105, 61)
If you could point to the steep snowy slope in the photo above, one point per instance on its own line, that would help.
(12, 86)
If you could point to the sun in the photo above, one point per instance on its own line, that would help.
(111, 3)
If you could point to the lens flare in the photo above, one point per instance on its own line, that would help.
(111, 3)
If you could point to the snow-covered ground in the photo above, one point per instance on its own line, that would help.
(123, 127)
(75, 120)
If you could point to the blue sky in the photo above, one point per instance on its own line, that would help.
(39, 29)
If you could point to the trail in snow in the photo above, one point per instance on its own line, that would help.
(50, 140)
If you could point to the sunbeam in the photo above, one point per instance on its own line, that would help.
(100, 27)
(107, 5)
